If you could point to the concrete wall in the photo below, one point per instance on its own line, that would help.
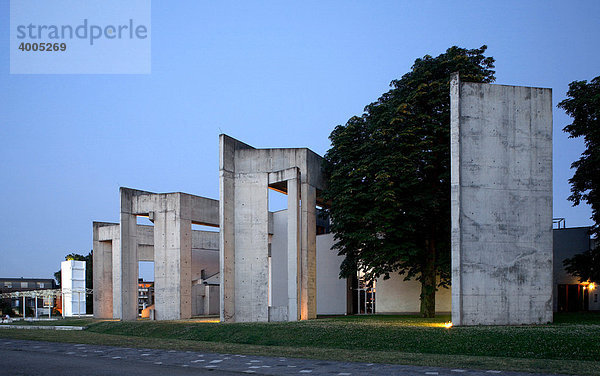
(331, 290)
(395, 295)
(501, 156)
(279, 279)
(103, 268)
(567, 243)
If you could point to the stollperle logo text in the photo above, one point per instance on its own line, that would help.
(85, 30)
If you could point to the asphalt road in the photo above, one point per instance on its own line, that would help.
(20, 363)
(20, 357)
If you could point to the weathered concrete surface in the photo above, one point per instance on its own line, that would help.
(102, 264)
(245, 175)
(331, 293)
(279, 270)
(173, 257)
(501, 156)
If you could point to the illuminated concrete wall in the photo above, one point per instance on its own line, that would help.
(501, 157)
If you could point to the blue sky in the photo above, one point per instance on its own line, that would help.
(268, 73)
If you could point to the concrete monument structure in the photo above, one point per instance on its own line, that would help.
(501, 190)
(205, 276)
(245, 176)
(169, 243)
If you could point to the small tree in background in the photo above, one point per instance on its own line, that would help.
(389, 176)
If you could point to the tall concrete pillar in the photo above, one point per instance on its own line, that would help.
(102, 257)
(227, 231)
(251, 247)
(294, 249)
(173, 258)
(128, 261)
(309, 252)
(116, 277)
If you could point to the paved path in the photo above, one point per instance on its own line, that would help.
(106, 360)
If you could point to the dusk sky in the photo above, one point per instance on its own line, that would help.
(271, 74)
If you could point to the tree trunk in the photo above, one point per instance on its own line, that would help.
(428, 281)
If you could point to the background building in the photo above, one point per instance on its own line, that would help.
(14, 305)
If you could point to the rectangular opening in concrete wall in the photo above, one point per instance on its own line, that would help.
(277, 200)
(146, 270)
(141, 220)
(145, 288)
(196, 227)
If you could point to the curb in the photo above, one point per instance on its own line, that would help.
(46, 327)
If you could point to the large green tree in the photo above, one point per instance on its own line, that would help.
(583, 105)
(389, 175)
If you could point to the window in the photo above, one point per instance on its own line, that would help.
(8, 284)
(24, 285)
(41, 285)
(595, 298)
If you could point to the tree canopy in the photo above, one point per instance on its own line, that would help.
(583, 105)
(389, 175)
(585, 266)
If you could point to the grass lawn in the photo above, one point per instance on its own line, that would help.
(570, 345)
